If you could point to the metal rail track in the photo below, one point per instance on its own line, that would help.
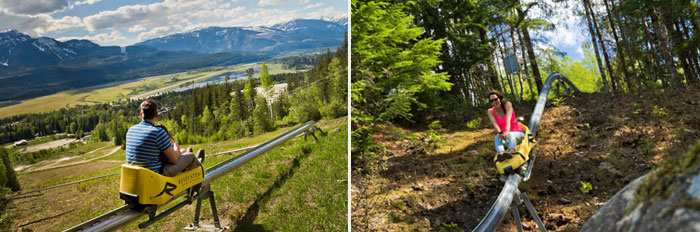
(510, 189)
(128, 214)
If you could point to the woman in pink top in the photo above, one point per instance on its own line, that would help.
(503, 119)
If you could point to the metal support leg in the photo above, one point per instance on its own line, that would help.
(213, 211)
(532, 211)
(516, 216)
(217, 224)
(196, 213)
(310, 132)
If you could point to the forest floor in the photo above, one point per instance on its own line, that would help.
(604, 140)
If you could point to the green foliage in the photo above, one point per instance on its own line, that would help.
(5, 217)
(585, 187)
(658, 112)
(474, 124)
(433, 136)
(265, 79)
(450, 227)
(261, 117)
(10, 177)
(392, 69)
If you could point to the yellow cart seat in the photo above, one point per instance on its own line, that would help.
(510, 165)
(143, 186)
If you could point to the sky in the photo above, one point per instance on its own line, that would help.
(569, 33)
(125, 22)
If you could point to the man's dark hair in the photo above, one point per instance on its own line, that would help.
(149, 109)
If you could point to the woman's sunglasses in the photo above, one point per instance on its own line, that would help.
(493, 100)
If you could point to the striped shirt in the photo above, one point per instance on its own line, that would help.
(144, 143)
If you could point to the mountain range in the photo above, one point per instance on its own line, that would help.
(297, 34)
(31, 67)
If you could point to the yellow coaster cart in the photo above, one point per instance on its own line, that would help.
(521, 155)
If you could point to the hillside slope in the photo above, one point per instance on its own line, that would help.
(298, 186)
(604, 140)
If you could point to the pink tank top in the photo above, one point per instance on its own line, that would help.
(502, 121)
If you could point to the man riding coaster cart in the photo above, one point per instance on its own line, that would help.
(156, 168)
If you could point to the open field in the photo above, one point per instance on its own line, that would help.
(298, 186)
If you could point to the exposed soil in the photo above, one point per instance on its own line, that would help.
(64, 161)
(48, 145)
(604, 140)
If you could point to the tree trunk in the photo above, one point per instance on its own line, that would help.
(620, 49)
(662, 34)
(524, 62)
(492, 75)
(693, 53)
(613, 81)
(504, 51)
(683, 54)
(515, 53)
(595, 46)
(670, 22)
(624, 30)
(656, 59)
(531, 54)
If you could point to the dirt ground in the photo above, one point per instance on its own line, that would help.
(604, 140)
(49, 145)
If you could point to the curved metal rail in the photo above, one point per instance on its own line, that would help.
(127, 214)
(503, 202)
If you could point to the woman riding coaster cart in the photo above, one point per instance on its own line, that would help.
(503, 118)
(509, 132)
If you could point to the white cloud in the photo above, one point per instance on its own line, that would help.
(152, 15)
(101, 38)
(86, 2)
(302, 2)
(33, 7)
(313, 6)
(159, 32)
(272, 2)
(327, 12)
(35, 25)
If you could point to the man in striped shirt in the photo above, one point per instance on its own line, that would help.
(145, 143)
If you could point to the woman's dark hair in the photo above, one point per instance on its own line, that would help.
(164, 160)
(500, 98)
(166, 130)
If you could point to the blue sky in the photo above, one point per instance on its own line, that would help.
(569, 33)
(125, 22)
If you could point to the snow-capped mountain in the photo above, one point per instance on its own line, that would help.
(297, 34)
(18, 50)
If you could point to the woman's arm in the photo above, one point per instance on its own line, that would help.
(493, 120)
(172, 155)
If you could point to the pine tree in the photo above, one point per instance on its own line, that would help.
(10, 174)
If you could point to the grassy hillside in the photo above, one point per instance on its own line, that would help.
(298, 186)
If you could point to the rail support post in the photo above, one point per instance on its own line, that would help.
(217, 225)
(533, 213)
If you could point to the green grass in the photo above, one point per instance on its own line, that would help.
(315, 199)
(297, 186)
